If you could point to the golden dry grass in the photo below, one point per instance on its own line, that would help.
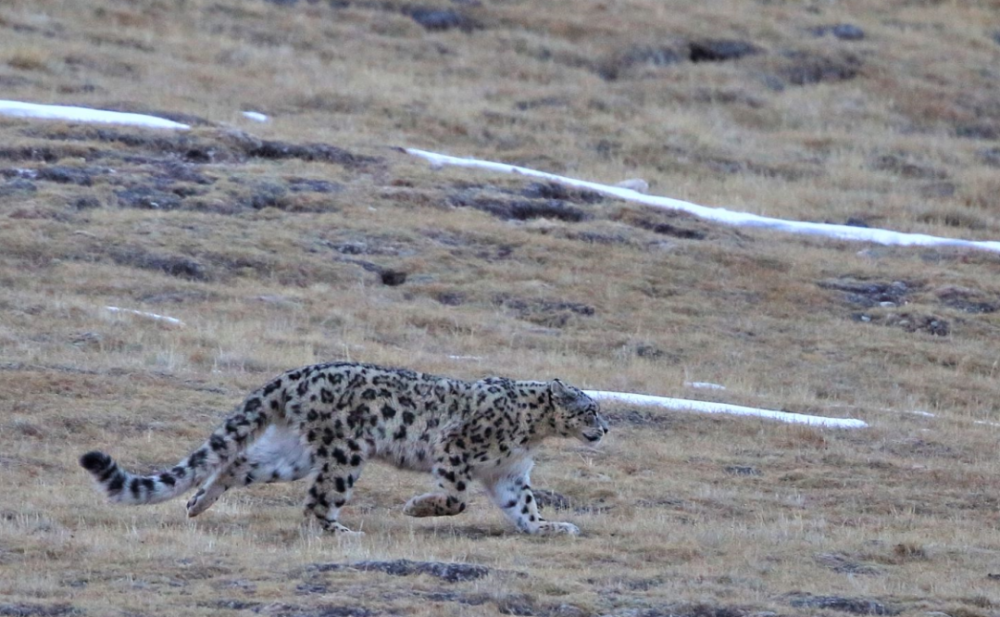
(682, 514)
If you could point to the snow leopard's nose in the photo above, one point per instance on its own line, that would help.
(602, 424)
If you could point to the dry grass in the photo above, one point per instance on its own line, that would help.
(269, 268)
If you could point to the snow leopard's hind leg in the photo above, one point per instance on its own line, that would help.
(277, 456)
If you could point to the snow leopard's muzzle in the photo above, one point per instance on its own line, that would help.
(596, 431)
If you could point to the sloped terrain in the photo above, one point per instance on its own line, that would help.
(313, 237)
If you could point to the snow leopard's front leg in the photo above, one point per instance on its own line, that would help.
(511, 491)
(452, 470)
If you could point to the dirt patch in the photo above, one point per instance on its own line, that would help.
(329, 610)
(844, 32)
(38, 610)
(690, 610)
(450, 572)
(742, 470)
(548, 313)
(800, 68)
(560, 192)
(989, 156)
(858, 606)
(520, 210)
(843, 564)
(442, 19)
(665, 224)
(148, 198)
(871, 293)
(551, 499)
(17, 187)
(906, 166)
(624, 62)
(311, 152)
(910, 322)
(967, 300)
(720, 50)
(174, 265)
(640, 417)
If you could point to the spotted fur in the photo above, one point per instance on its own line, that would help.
(328, 420)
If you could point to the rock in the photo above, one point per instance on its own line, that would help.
(301, 185)
(86, 202)
(978, 131)
(650, 352)
(148, 198)
(869, 293)
(966, 300)
(65, 175)
(919, 323)
(38, 610)
(546, 101)
(450, 572)
(719, 50)
(990, 156)
(690, 610)
(392, 278)
(742, 470)
(18, 186)
(441, 19)
(844, 32)
(858, 606)
(233, 605)
(450, 298)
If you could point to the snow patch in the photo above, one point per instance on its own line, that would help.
(172, 320)
(256, 116)
(679, 404)
(704, 385)
(720, 215)
(84, 114)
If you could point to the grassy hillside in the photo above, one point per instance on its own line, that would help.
(312, 237)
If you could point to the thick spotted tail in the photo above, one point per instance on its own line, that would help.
(228, 441)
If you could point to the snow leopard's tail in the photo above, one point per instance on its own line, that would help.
(226, 442)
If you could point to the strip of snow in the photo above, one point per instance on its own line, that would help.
(704, 407)
(985, 422)
(719, 215)
(704, 385)
(256, 116)
(173, 320)
(84, 114)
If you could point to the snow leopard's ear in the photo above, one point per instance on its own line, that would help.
(567, 396)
